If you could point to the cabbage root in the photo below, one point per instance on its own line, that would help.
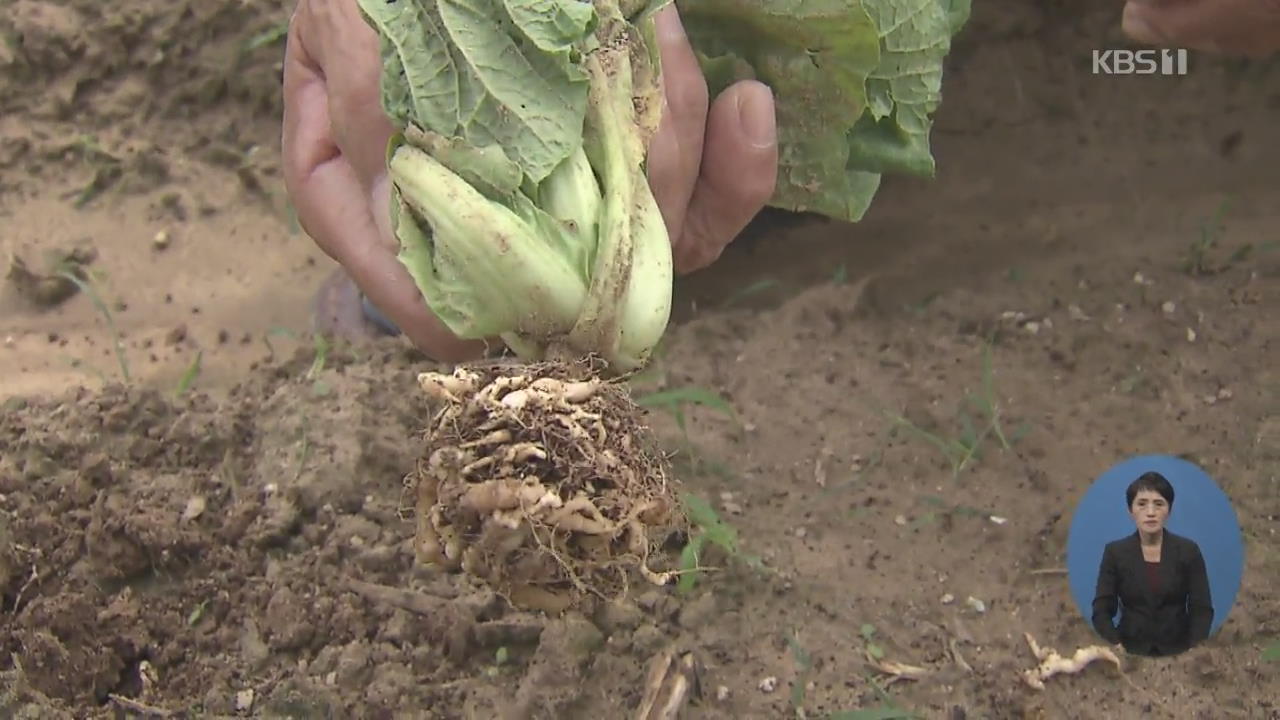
(542, 485)
(1051, 663)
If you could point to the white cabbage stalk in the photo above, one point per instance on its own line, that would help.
(575, 265)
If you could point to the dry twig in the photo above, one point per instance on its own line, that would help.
(140, 707)
(672, 679)
(896, 671)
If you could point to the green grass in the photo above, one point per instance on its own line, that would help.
(189, 377)
(887, 710)
(271, 36)
(1198, 260)
(73, 275)
(708, 529)
(751, 290)
(1272, 653)
(940, 507)
(676, 402)
(978, 419)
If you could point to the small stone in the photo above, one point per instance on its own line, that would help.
(1224, 394)
(161, 240)
(948, 599)
(768, 685)
(1191, 335)
(722, 693)
(244, 700)
(977, 605)
(195, 508)
(801, 532)
(1075, 313)
(9, 341)
(901, 520)
(1032, 327)
(1168, 307)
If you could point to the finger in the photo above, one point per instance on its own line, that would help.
(348, 51)
(1248, 27)
(675, 151)
(1164, 22)
(333, 207)
(739, 173)
(307, 141)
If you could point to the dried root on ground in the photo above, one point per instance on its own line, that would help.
(891, 672)
(671, 682)
(1051, 663)
(541, 483)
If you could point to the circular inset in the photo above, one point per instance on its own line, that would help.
(1155, 576)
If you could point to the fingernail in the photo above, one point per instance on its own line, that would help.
(756, 114)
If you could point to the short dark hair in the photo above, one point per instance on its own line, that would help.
(1150, 480)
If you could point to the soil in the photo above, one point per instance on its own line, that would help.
(205, 519)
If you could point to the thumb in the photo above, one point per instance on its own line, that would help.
(1197, 25)
(1138, 24)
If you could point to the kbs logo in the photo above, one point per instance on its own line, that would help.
(1139, 62)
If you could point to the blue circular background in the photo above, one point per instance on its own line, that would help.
(1201, 512)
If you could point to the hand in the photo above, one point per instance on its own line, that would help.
(712, 165)
(1233, 27)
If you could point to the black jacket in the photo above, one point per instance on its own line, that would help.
(1170, 619)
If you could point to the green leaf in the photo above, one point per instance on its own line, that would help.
(689, 564)
(816, 56)
(855, 85)
(553, 26)
(700, 512)
(725, 536)
(465, 69)
(906, 88)
(674, 398)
